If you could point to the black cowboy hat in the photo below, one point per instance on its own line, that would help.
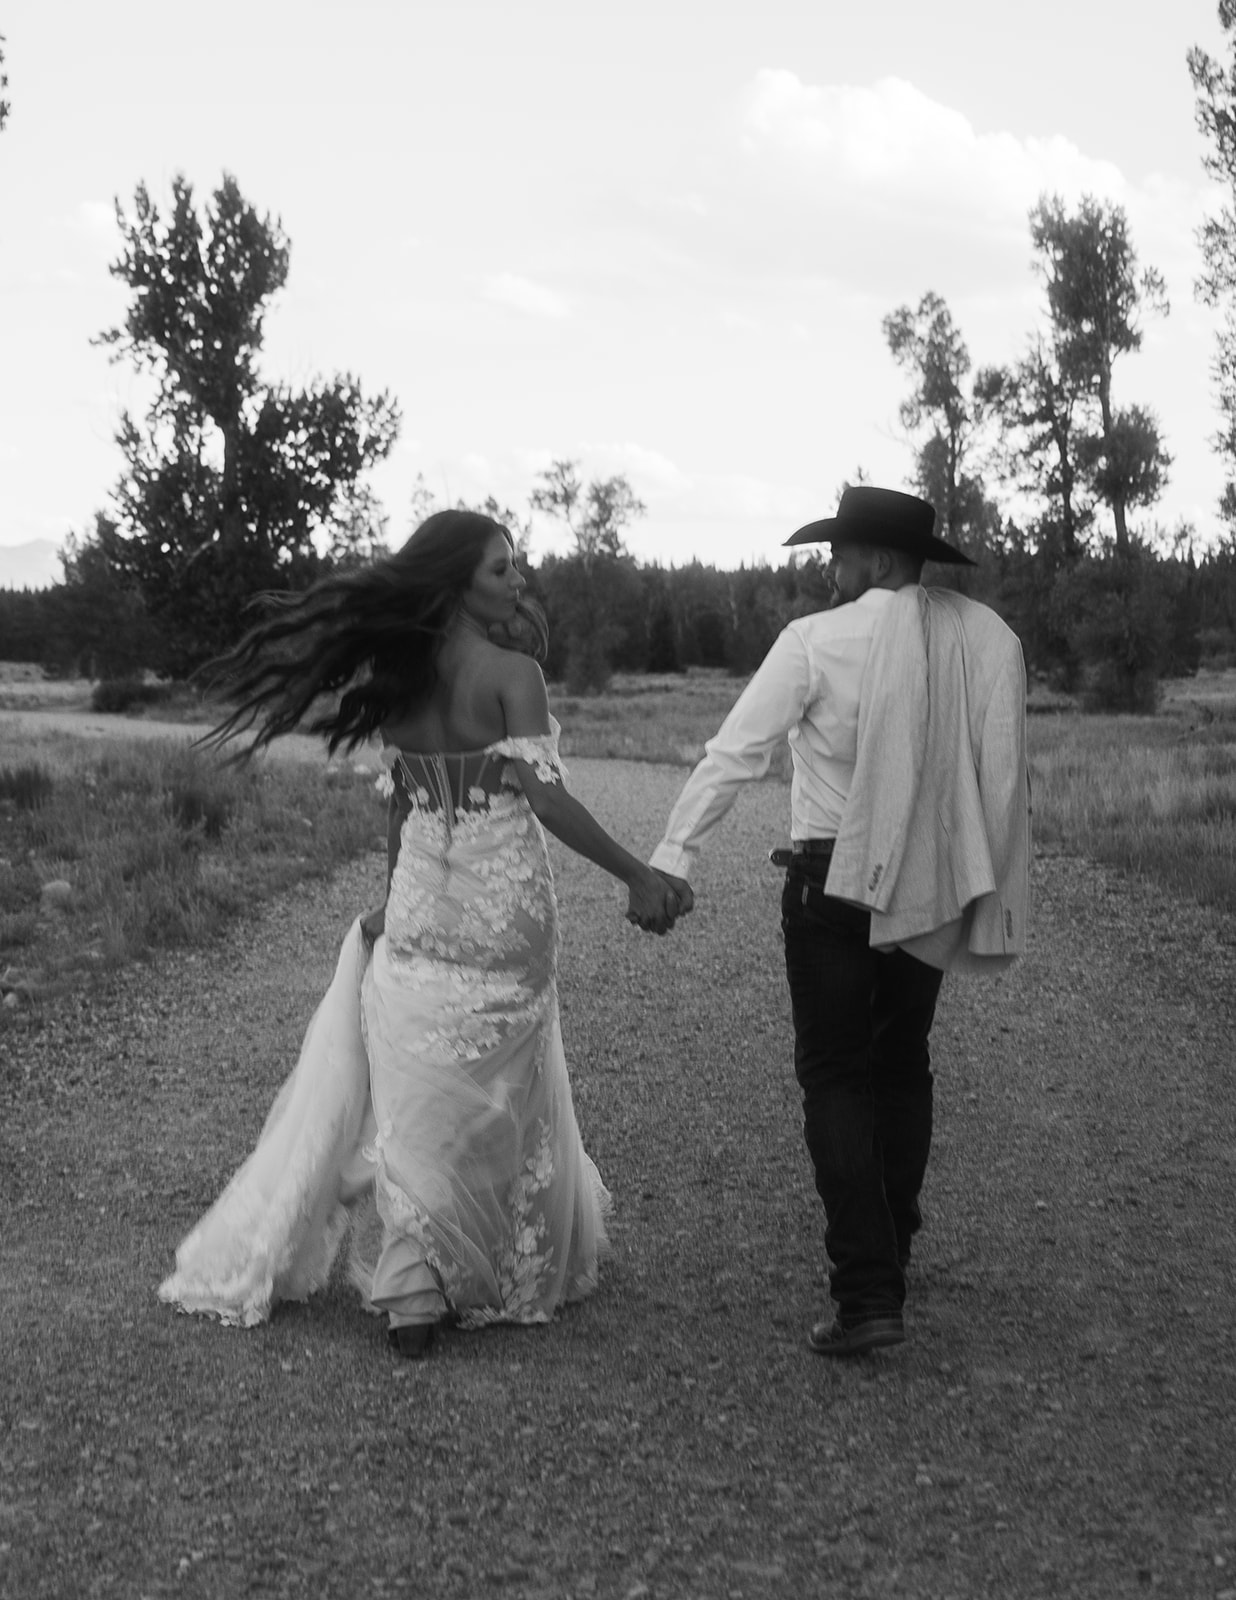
(884, 517)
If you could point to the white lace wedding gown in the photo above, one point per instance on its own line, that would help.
(432, 1080)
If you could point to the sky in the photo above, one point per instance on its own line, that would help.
(656, 238)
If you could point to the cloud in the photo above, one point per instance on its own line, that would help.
(521, 294)
(891, 145)
(881, 190)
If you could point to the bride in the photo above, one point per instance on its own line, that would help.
(432, 1084)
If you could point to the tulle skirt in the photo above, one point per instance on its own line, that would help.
(438, 1094)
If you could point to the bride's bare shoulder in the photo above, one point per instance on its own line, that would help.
(508, 661)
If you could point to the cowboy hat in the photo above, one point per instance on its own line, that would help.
(884, 517)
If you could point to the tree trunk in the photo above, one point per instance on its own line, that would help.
(1117, 501)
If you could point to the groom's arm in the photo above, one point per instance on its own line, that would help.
(770, 705)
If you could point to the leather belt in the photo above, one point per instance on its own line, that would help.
(801, 847)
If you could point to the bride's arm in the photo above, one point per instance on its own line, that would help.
(525, 708)
(373, 923)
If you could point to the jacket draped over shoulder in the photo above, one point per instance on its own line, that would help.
(935, 837)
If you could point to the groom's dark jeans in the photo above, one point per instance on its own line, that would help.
(861, 1021)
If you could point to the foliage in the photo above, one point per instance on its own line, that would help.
(592, 582)
(662, 641)
(28, 786)
(1111, 612)
(230, 484)
(596, 513)
(4, 83)
(1214, 84)
(116, 695)
(1040, 406)
(106, 630)
(926, 342)
(1095, 296)
(716, 619)
(162, 844)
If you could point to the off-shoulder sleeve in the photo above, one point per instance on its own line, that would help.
(539, 750)
(385, 783)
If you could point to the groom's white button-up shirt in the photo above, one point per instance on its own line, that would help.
(807, 689)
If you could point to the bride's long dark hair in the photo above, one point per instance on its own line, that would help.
(367, 638)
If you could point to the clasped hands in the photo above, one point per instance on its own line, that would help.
(657, 900)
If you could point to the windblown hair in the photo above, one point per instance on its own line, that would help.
(367, 639)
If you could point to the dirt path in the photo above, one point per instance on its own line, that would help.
(1060, 1421)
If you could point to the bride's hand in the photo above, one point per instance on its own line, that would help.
(682, 891)
(373, 926)
(652, 904)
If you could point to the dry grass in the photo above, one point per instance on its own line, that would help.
(1153, 795)
(662, 718)
(158, 844)
(162, 846)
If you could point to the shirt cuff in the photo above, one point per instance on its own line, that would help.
(673, 859)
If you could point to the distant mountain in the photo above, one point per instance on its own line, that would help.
(34, 565)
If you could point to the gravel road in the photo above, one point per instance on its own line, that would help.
(1060, 1421)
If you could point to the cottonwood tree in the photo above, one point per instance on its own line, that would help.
(423, 503)
(1041, 409)
(1215, 86)
(1096, 296)
(926, 342)
(231, 485)
(590, 584)
(596, 512)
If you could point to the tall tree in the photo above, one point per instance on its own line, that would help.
(423, 503)
(4, 83)
(596, 513)
(926, 342)
(1215, 87)
(1096, 295)
(590, 582)
(1041, 410)
(231, 485)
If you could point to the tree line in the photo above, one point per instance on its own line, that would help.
(232, 484)
(1106, 626)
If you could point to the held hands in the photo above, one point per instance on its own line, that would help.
(657, 900)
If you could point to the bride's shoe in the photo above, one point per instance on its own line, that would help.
(413, 1341)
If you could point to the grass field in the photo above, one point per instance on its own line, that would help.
(1058, 1423)
(161, 845)
(1155, 795)
(1054, 1426)
(156, 845)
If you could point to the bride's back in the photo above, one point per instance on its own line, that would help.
(464, 709)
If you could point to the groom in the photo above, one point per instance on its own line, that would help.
(902, 706)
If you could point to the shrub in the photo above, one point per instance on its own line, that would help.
(18, 929)
(19, 890)
(28, 787)
(114, 695)
(200, 793)
(1111, 610)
